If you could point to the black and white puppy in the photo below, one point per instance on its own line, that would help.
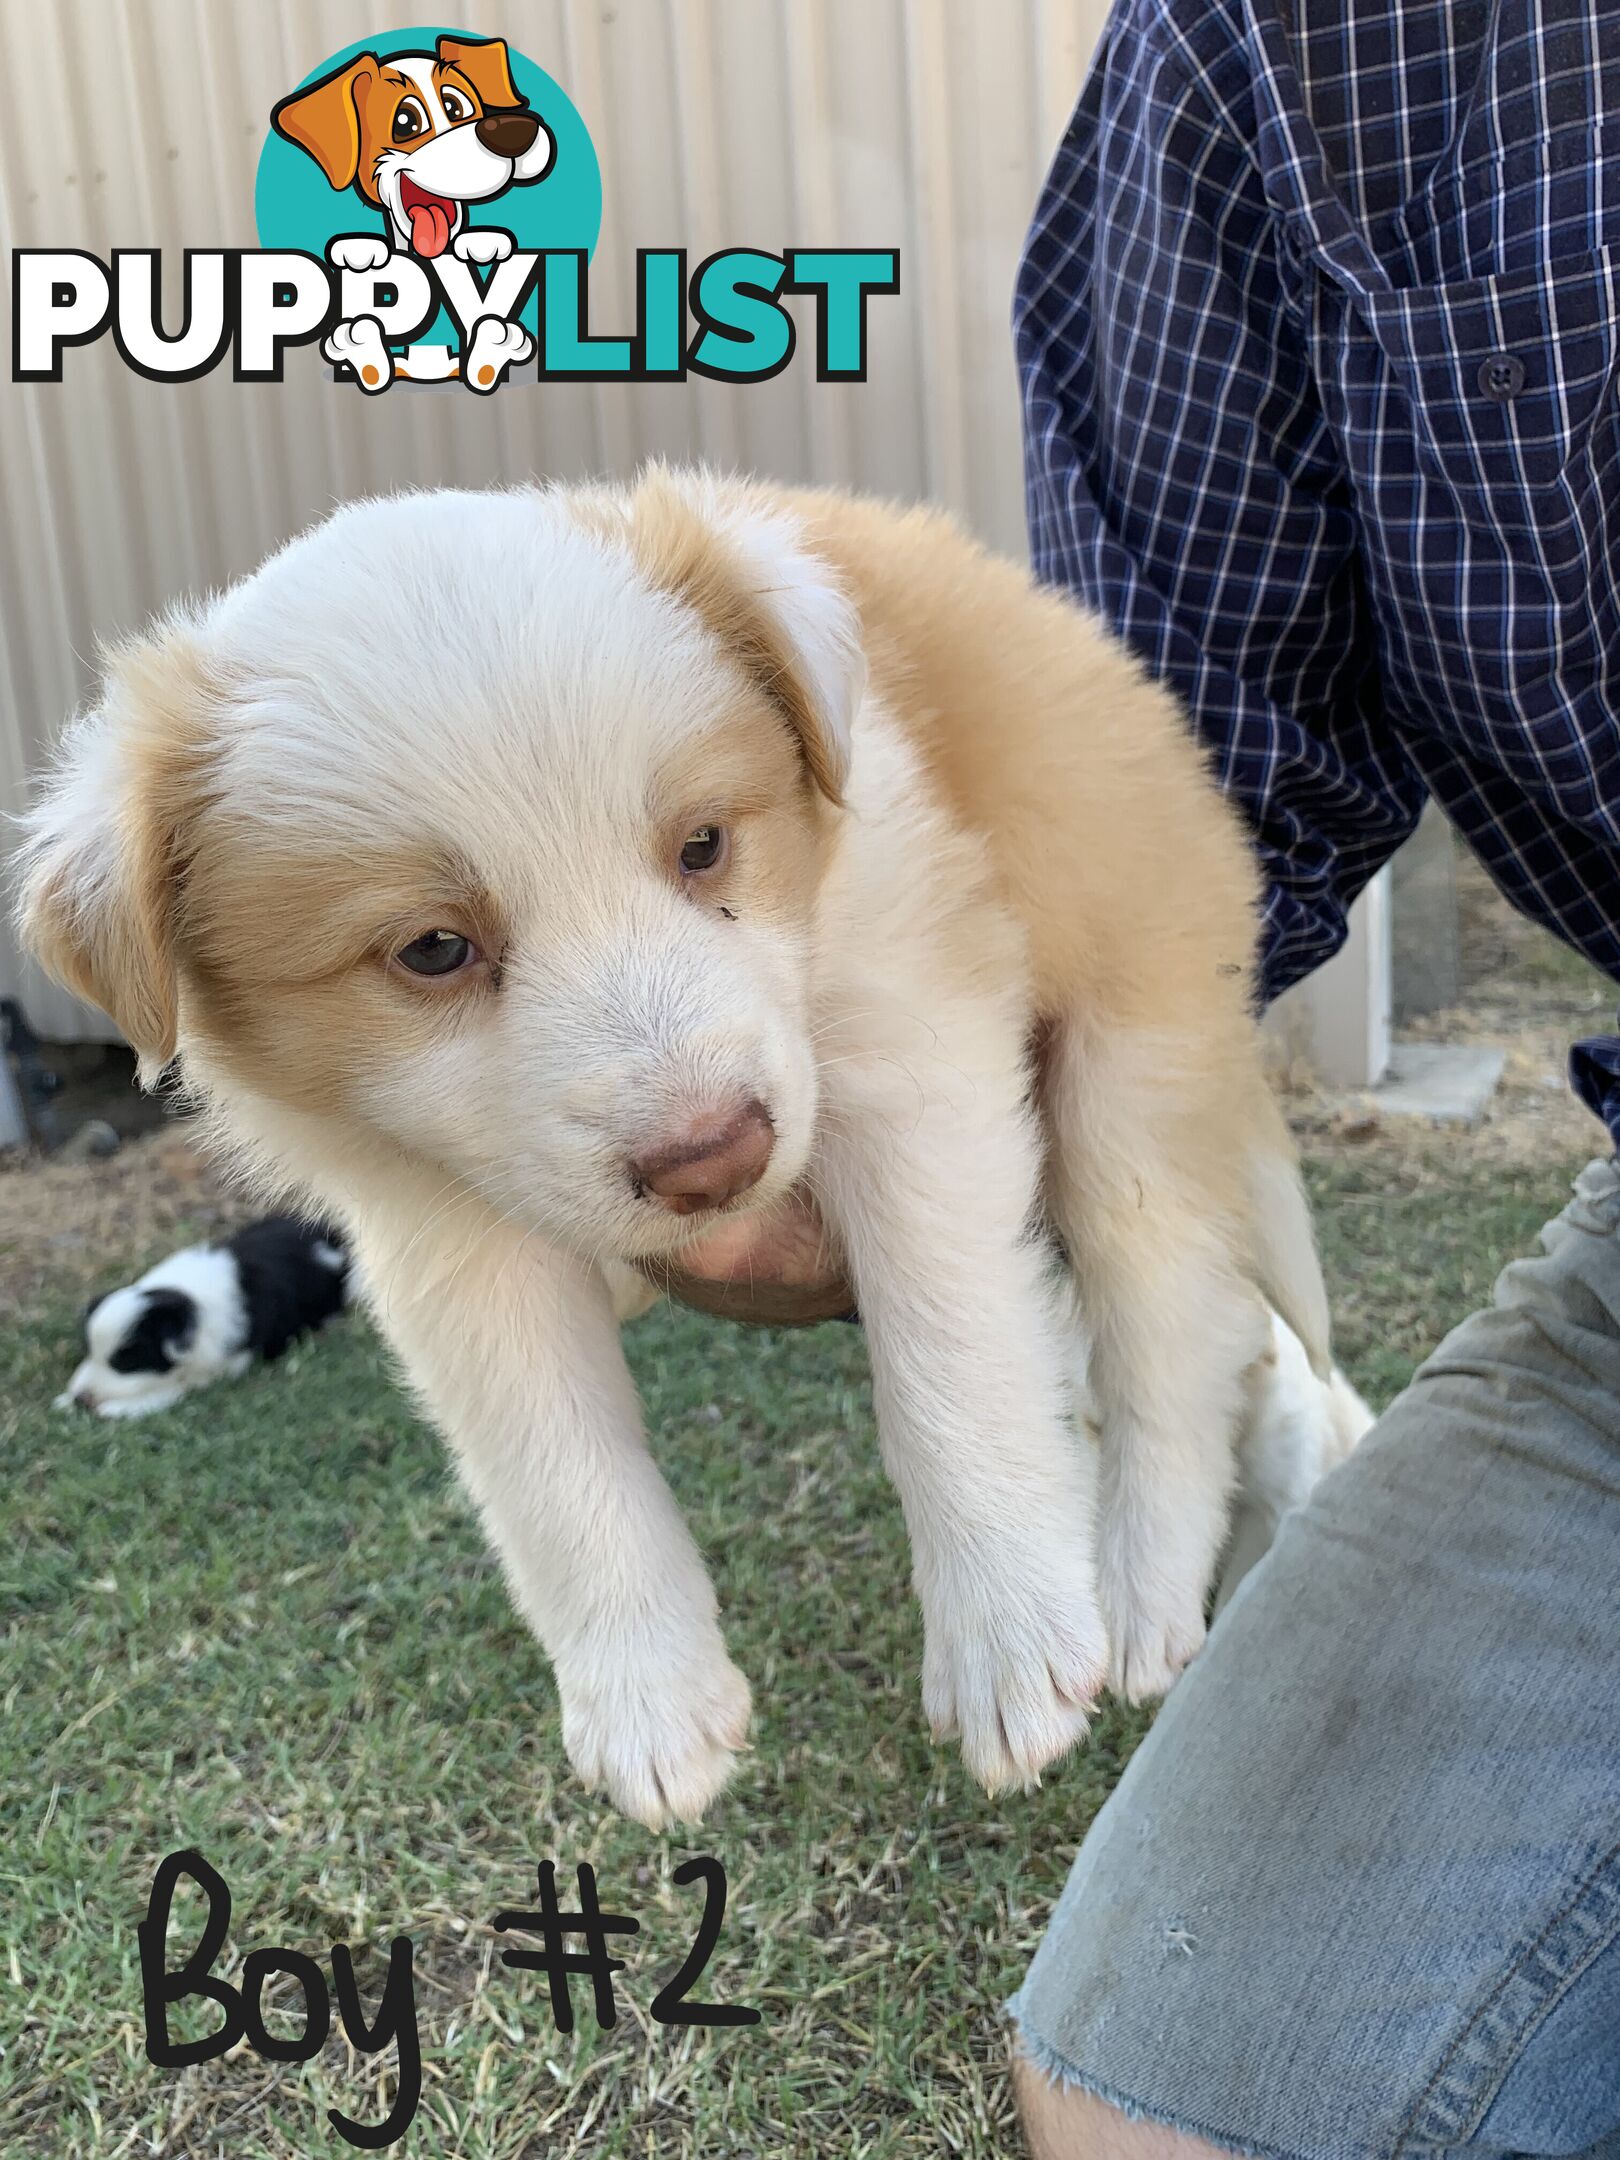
(207, 1314)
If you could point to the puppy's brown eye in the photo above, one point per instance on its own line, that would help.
(437, 952)
(456, 108)
(704, 848)
(410, 120)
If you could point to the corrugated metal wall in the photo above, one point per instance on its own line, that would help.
(920, 123)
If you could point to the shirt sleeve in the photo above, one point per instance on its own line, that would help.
(1183, 480)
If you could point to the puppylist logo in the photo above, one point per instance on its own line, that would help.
(427, 206)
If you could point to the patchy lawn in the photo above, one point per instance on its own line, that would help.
(265, 1625)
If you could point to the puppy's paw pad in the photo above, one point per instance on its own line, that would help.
(496, 346)
(358, 251)
(482, 244)
(359, 345)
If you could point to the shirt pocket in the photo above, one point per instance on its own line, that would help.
(1526, 203)
(1510, 380)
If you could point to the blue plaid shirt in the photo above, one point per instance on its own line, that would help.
(1318, 328)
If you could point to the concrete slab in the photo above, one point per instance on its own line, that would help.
(1449, 1083)
(13, 1125)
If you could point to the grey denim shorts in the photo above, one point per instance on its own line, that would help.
(1358, 1893)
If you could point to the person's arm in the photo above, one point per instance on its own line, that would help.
(1183, 480)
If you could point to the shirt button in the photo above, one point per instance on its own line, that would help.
(1502, 376)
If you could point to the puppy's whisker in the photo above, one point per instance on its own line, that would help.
(510, 1258)
(480, 1238)
(460, 1194)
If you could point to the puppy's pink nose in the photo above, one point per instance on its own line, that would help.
(715, 1159)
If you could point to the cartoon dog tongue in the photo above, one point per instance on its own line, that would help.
(430, 226)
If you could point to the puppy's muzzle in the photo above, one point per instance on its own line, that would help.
(717, 1158)
(508, 134)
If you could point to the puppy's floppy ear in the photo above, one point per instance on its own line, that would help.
(487, 66)
(744, 566)
(324, 118)
(98, 872)
(169, 1322)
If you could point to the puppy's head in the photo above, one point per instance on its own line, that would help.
(486, 831)
(420, 134)
(134, 1339)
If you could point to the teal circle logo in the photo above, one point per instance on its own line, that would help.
(420, 137)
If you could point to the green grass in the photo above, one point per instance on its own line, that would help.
(265, 1625)
(1411, 1246)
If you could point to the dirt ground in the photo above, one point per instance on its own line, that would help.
(77, 1226)
(71, 1226)
(1525, 993)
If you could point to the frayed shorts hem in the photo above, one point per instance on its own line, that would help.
(1058, 2070)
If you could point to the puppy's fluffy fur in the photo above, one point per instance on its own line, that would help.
(1297, 1428)
(981, 947)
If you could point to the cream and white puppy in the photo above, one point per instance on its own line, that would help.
(749, 887)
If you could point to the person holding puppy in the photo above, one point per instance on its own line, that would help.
(1318, 327)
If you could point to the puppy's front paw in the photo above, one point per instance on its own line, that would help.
(1014, 1657)
(1153, 1634)
(359, 345)
(495, 347)
(358, 251)
(656, 1732)
(482, 244)
(144, 1406)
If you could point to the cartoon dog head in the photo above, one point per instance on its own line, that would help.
(419, 135)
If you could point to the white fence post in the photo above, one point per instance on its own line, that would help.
(13, 1125)
(1340, 1016)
